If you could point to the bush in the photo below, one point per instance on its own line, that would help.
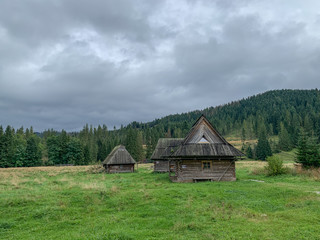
(275, 166)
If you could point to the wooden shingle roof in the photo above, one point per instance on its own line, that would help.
(165, 146)
(119, 155)
(206, 150)
(203, 140)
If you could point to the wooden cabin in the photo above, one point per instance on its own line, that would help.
(119, 161)
(164, 148)
(203, 155)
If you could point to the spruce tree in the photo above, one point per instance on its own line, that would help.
(8, 149)
(263, 149)
(74, 153)
(20, 149)
(249, 152)
(86, 154)
(32, 157)
(53, 148)
(63, 147)
(134, 144)
(307, 152)
(285, 143)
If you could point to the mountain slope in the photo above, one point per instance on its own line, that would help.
(292, 108)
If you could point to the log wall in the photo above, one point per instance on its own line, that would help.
(192, 171)
(161, 166)
(120, 168)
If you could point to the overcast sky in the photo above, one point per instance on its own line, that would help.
(65, 63)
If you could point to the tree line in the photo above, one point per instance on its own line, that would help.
(24, 148)
(282, 113)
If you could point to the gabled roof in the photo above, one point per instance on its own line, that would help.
(206, 150)
(119, 155)
(165, 146)
(203, 130)
(203, 140)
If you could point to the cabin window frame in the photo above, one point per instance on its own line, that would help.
(205, 165)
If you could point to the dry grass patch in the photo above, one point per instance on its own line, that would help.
(250, 165)
(114, 189)
(313, 173)
(146, 166)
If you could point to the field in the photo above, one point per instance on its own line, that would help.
(74, 203)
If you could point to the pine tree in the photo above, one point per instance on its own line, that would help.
(74, 153)
(139, 147)
(263, 149)
(53, 148)
(249, 152)
(285, 143)
(102, 150)
(20, 149)
(63, 147)
(32, 157)
(86, 155)
(308, 153)
(8, 148)
(134, 144)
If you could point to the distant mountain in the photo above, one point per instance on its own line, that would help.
(293, 108)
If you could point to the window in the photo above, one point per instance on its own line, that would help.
(203, 140)
(206, 165)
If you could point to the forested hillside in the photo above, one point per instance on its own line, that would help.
(283, 113)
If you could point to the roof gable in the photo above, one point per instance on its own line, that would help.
(202, 141)
(202, 131)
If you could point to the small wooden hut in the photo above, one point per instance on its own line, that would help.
(119, 161)
(203, 155)
(163, 150)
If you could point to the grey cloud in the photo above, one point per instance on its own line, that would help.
(67, 63)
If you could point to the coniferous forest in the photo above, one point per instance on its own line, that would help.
(291, 115)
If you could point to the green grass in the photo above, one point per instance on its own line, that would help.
(72, 203)
(287, 157)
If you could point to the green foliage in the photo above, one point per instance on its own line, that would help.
(285, 143)
(8, 148)
(308, 152)
(249, 152)
(74, 154)
(275, 166)
(33, 155)
(134, 144)
(53, 147)
(263, 149)
(20, 150)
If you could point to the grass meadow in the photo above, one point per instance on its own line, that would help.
(74, 203)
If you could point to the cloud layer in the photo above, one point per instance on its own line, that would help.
(67, 63)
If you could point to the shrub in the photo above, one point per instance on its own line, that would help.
(275, 166)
